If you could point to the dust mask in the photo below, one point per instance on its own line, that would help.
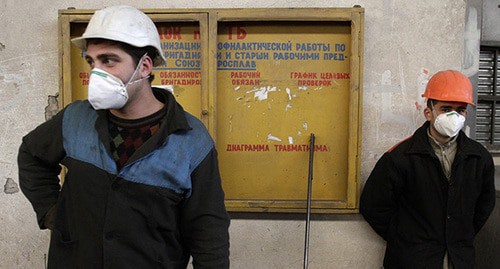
(107, 91)
(449, 124)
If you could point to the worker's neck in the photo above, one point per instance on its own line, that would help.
(441, 139)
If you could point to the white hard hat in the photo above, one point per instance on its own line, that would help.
(125, 24)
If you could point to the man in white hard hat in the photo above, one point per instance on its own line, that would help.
(429, 195)
(142, 188)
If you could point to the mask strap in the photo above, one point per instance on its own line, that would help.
(433, 109)
(135, 71)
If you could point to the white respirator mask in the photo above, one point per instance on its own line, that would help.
(107, 91)
(449, 124)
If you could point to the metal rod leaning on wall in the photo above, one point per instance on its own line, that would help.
(309, 194)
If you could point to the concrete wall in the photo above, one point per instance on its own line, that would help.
(406, 41)
(490, 31)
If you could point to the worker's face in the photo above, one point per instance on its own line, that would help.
(110, 58)
(440, 107)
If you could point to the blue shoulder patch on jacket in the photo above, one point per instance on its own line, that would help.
(80, 139)
(169, 166)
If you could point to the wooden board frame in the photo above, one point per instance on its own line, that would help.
(209, 19)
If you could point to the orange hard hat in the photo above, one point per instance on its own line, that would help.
(451, 86)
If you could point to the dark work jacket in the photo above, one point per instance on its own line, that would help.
(409, 202)
(165, 205)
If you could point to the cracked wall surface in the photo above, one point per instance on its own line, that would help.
(52, 106)
(10, 186)
(405, 42)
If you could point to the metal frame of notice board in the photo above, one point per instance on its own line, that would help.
(261, 80)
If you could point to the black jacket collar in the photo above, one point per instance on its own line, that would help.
(421, 144)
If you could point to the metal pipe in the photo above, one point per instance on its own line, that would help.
(309, 195)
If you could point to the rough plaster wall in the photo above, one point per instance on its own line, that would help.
(405, 42)
(343, 242)
(491, 31)
(28, 57)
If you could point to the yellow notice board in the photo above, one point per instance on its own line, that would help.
(278, 83)
(262, 81)
(181, 44)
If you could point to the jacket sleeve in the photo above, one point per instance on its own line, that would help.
(378, 202)
(38, 161)
(486, 200)
(204, 220)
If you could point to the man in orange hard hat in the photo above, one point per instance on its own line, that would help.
(429, 195)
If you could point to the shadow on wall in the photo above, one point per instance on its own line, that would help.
(487, 241)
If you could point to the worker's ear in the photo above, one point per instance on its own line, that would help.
(146, 66)
(428, 114)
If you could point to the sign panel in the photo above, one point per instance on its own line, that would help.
(278, 82)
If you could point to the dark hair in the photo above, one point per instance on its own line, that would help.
(135, 52)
